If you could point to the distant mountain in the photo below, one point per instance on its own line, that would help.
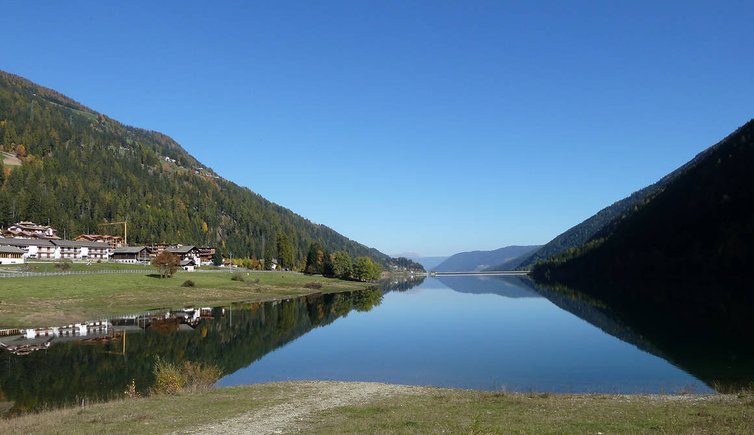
(79, 168)
(697, 225)
(481, 260)
(428, 262)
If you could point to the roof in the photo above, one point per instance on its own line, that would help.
(180, 249)
(188, 262)
(4, 249)
(129, 250)
(31, 226)
(80, 244)
(98, 237)
(12, 241)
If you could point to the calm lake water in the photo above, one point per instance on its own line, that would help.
(466, 332)
(470, 332)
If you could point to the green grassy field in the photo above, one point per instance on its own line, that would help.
(60, 300)
(334, 407)
(454, 411)
(49, 266)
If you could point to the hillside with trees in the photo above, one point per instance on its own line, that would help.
(80, 169)
(698, 229)
(586, 230)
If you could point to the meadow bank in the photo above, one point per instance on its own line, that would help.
(59, 300)
(354, 407)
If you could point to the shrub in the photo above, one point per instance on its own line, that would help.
(190, 376)
(168, 378)
(188, 283)
(64, 264)
(130, 391)
(313, 285)
(200, 377)
(237, 276)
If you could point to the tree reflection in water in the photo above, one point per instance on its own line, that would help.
(232, 338)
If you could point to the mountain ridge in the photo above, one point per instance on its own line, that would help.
(81, 168)
(474, 261)
(699, 227)
(581, 233)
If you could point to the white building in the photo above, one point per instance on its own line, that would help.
(30, 230)
(189, 252)
(72, 250)
(35, 249)
(11, 255)
(40, 249)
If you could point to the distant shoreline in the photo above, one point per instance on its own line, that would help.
(490, 273)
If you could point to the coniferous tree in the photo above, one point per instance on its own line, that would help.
(269, 255)
(87, 169)
(285, 250)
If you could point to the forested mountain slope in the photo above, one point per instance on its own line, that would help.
(698, 228)
(81, 168)
(583, 232)
(479, 260)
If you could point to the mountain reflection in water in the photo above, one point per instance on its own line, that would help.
(467, 332)
(73, 370)
(706, 330)
(706, 333)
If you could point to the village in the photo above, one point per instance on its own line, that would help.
(28, 241)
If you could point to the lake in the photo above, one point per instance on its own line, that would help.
(495, 333)
(470, 332)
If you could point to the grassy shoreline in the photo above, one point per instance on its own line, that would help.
(60, 300)
(354, 407)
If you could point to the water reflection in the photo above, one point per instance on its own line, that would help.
(402, 283)
(466, 332)
(506, 286)
(500, 335)
(75, 368)
(706, 331)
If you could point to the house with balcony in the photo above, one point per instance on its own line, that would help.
(81, 250)
(206, 254)
(131, 254)
(189, 252)
(113, 241)
(35, 249)
(30, 230)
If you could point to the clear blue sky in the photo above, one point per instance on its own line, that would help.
(411, 126)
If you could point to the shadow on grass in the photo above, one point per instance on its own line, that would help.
(157, 275)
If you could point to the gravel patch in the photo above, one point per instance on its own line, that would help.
(308, 399)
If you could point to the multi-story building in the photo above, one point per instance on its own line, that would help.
(206, 254)
(113, 241)
(131, 254)
(76, 250)
(30, 230)
(37, 249)
(189, 252)
(41, 249)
